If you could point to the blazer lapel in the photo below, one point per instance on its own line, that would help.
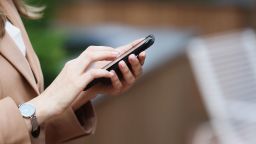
(31, 56)
(35, 66)
(9, 50)
(32, 61)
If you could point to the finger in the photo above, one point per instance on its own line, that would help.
(92, 74)
(142, 57)
(129, 46)
(102, 56)
(91, 57)
(100, 48)
(95, 49)
(134, 43)
(117, 84)
(136, 66)
(127, 74)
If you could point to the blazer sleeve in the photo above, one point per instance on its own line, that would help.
(71, 124)
(13, 129)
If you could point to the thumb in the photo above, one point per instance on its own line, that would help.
(124, 48)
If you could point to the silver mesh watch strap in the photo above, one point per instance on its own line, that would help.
(35, 127)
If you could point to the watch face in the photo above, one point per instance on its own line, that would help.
(27, 110)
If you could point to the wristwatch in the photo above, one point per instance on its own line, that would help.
(28, 111)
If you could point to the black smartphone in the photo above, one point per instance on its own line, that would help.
(136, 50)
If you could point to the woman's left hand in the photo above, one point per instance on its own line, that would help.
(129, 75)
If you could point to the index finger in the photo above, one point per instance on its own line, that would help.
(124, 48)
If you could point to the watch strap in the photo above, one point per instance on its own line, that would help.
(35, 127)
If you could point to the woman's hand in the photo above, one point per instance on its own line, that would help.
(118, 86)
(129, 76)
(73, 78)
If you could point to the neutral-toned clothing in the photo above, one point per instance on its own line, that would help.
(16, 36)
(21, 79)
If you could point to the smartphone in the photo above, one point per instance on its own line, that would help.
(136, 50)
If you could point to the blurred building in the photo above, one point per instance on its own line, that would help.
(203, 16)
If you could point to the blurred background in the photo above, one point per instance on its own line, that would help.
(165, 106)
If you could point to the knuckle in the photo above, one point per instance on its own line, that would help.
(125, 70)
(138, 71)
(119, 86)
(116, 84)
(90, 48)
(117, 91)
(128, 73)
(69, 63)
(93, 73)
(131, 81)
(89, 57)
(137, 64)
(115, 78)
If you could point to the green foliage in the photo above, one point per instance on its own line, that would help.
(48, 44)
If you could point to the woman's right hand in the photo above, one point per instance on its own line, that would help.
(73, 78)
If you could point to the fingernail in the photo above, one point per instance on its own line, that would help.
(122, 63)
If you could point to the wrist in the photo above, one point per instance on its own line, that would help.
(43, 109)
(28, 112)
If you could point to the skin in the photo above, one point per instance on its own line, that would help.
(67, 89)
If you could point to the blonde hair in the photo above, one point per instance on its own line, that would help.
(25, 10)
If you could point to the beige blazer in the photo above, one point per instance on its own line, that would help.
(21, 79)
